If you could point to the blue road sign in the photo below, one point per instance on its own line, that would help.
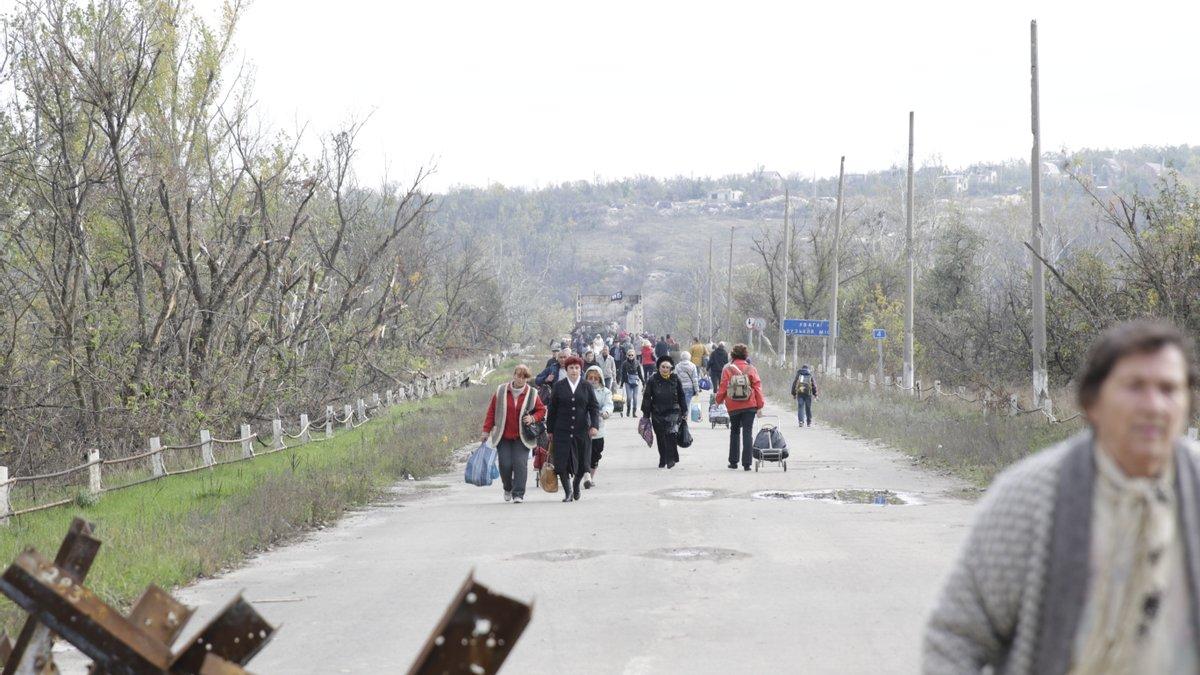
(880, 334)
(805, 327)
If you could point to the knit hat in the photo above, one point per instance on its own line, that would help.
(668, 359)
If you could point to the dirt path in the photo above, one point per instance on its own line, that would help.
(654, 571)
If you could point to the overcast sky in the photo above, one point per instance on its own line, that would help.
(530, 93)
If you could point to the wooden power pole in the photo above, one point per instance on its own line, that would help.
(729, 289)
(1041, 391)
(710, 289)
(837, 238)
(908, 252)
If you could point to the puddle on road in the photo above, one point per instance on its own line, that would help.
(562, 555)
(696, 553)
(881, 497)
(692, 494)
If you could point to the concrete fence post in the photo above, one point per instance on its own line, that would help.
(348, 413)
(391, 398)
(158, 467)
(362, 411)
(916, 390)
(277, 435)
(5, 506)
(887, 381)
(871, 381)
(375, 401)
(94, 485)
(206, 448)
(1012, 404)
(247, 442)
(962, 391)
(305, 432)
(328, 421)
(937, 387)
(861, 377)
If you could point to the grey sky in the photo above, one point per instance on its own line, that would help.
(526, 93)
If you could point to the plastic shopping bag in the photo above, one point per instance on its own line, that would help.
(646, 429)
(479, 466)
(695, 411)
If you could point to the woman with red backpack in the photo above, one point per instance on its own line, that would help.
(741, 392)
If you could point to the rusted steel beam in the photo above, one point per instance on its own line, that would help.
(32, 651)
(236, 634)
(476, 633)
(215, 665)
(158, 615)
(51, 596)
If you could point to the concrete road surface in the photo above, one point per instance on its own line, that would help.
(654, 571)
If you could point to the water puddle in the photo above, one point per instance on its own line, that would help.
(561, 555)
(848, 496)
(687, 553)
(692, 494)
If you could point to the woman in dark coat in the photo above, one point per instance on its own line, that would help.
(663, 404)
(573, 417)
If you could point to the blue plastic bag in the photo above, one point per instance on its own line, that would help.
(480, 465)
(695, 411)
(495, 470)
(705, 384)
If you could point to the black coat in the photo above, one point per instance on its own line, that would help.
(630, 367)
(572, 414)
(661, 349)
(663, 398)
(716, 362)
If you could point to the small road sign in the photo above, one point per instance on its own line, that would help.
(756, 324)
(806, 327)
(879, 334)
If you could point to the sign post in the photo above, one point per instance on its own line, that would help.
(880, 335)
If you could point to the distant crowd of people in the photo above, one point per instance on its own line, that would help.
(561, 411)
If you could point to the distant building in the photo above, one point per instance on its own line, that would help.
(954, 181)
(725, 195)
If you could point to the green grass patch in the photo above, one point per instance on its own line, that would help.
(172, 531)
(943, 433)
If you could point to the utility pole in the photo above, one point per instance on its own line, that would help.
(729, 288)
(1041, 392)
(787, 271)
(908, 252)
(837, 234)
(710, 289)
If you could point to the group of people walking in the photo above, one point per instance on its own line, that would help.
(564, 407)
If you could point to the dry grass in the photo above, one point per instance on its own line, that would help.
(172, 531)
(942, 432)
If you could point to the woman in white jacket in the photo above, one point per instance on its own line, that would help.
(689, 377)
(595, 377)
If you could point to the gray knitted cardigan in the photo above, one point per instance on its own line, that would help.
(1015, 596)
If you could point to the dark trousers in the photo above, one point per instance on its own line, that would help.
(804, 409)
(513, 457)
(648, 369)
(664, 433)
(597, 451)
(741, 422)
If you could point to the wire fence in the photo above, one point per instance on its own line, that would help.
(985, 398)
(87, 482)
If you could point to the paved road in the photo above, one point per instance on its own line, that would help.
(631, 579)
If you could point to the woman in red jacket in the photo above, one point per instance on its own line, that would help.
(504, 428)
(649, 366)
(744, 400)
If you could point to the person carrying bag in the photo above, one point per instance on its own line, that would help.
(513, 424)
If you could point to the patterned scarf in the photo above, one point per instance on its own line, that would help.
(1134, 531)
